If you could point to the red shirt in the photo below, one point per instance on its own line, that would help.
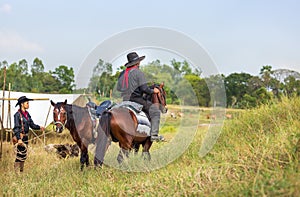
(25, 114)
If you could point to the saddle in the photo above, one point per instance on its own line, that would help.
(144, 125)
(96, 111)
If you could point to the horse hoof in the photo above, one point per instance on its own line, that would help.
(146, 156)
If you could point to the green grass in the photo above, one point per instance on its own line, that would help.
(256, 154)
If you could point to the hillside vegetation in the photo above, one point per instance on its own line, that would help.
(256, 154)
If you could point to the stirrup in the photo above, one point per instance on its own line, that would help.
(157, 138)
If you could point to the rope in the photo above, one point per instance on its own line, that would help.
(23, 154)
(38, 136)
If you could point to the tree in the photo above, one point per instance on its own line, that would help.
(200, 88)
(37, 75)
(51, 84)
(215, 84)
(102, 67)
(65, 76)
(17, 75)
(266, 72)
(37, 67)
(3, 64)
(236, 85)
(292, 86)
(102, 80)
(269, 81)
(181, 68)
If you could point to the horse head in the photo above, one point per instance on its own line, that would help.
(160, 98)
(59, 115)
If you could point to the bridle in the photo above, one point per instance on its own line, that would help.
(62, 124)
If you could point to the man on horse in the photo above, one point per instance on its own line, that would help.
(132, 85)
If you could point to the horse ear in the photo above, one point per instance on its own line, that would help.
(65, 102)
(162, 85)
(52, 103)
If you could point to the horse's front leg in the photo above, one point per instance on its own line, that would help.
(84, 157)
(85, 144)
(87, 160)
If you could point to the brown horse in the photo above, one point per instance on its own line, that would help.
(120, 125)
(78, 121)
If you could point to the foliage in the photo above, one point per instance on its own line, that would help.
(35, 79)
(184, 84)
(65, 76)
(102, 80)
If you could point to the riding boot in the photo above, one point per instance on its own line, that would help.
(22, 166)
(17, 167)
(154, 130)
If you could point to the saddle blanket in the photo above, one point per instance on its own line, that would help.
(144, 125)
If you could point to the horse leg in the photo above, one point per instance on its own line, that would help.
(122, 153)
(136, 147)
(146, 147)
(87, 161)
(126, 146)
(85, 143)
(146, 155)
(83, 157)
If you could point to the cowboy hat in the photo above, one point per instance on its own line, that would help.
(22, 99)
(133, 58)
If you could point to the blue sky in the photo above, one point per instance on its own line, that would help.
(240, 36)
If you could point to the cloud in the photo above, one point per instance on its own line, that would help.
(5, 8)
(13, 42)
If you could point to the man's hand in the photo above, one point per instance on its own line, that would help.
(42, 128)
(156, 91)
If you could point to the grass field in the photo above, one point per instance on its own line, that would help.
(256, 154)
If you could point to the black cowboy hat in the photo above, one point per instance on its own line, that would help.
(23, 99)
(133, 58)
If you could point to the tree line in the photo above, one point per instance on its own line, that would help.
(25, 77)
(183, 83)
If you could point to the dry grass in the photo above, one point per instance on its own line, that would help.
(255, 155)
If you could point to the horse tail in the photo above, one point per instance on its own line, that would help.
(105, 122)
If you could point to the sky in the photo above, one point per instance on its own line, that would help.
(239, 36)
